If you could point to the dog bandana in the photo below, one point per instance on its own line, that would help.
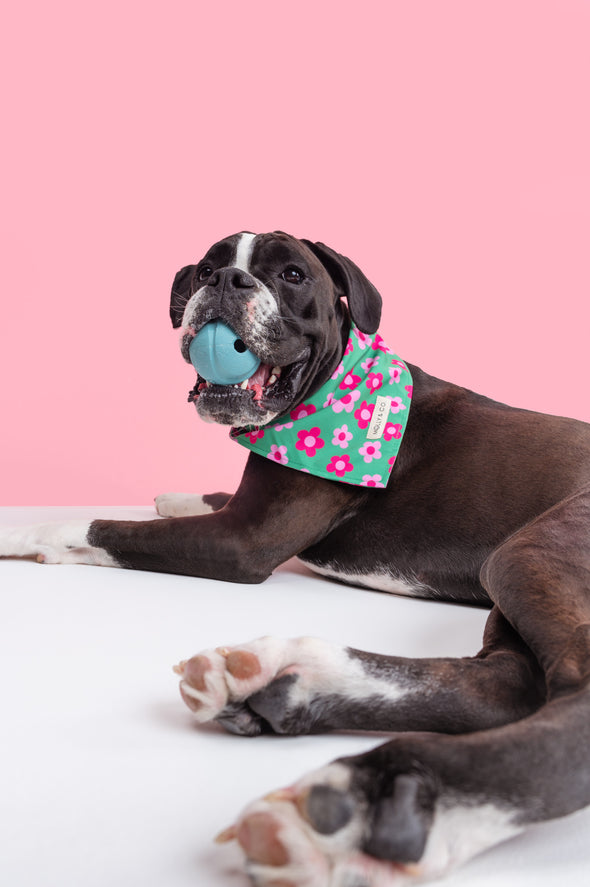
(351, 429)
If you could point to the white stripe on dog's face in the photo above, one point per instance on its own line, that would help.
(258, 304)
(244, 248)
(244, 251)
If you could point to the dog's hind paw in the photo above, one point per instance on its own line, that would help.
(381, 819)
(263, 686)
(312, 835)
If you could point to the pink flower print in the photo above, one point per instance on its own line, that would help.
(303, 410)
(346, 403)
(278, 454)
(372, 480)
(395, 374)
(338, 371)
(410, 390)
(341, 437)
(349, 381)
(340, 465)
(374, 381)
(364, 413)
(396, 405)
(371, 450)
(368, 365)
(310, 441)
(286, 425)
(255, 435)
(349, 348)
(363, 340)
(392, 430)
(329, 400)
(391, 463)
(379, 345)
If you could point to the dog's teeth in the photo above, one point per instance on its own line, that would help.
(272, 380)
(276, 371)
(208, 384)
(243, 385)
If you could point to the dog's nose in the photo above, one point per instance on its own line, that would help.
(227, 279)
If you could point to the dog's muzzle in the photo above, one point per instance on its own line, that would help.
(247, 307)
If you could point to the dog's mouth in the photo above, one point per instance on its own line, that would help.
(260, 385)
(267, 393)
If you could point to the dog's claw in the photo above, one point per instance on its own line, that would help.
(281, 794)
(227, 835)
(179, 669)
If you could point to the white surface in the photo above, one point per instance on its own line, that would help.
(104, 778)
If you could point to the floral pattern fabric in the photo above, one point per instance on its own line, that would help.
(351, 429)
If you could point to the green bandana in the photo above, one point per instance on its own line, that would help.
(351, 429)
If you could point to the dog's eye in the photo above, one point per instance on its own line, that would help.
(205, 272)
(292, 275)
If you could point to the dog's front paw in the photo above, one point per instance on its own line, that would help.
(43, 541)
(54, 543)
(189, 504)
(181, 505)
(263, 686)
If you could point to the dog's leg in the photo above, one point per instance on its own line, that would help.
(306, 685)
(189, 504)
(273, 516)
(422, 803)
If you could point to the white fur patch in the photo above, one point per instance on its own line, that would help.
(244, 251)
(181, 505)
(460, 831)
(381, 581)
(189, 310)
(56, 543)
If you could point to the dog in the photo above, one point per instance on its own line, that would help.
(445, 494)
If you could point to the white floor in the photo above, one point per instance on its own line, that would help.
(104, 778)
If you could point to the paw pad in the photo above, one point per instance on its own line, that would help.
(242, 664)
(258, 835)
(195, 670)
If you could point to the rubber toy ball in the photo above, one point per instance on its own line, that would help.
(220, 356)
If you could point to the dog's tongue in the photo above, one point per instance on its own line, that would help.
(258, 380)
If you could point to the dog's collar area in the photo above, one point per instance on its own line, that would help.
(351, 429)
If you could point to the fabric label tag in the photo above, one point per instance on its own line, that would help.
(378, 420)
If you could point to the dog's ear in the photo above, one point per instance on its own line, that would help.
(182, 290)
(363, 299)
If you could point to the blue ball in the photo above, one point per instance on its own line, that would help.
(220, 356)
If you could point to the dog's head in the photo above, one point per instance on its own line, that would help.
(283, 298)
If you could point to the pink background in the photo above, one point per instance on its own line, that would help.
(444, 146)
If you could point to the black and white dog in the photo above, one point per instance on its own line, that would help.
(485, 503)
